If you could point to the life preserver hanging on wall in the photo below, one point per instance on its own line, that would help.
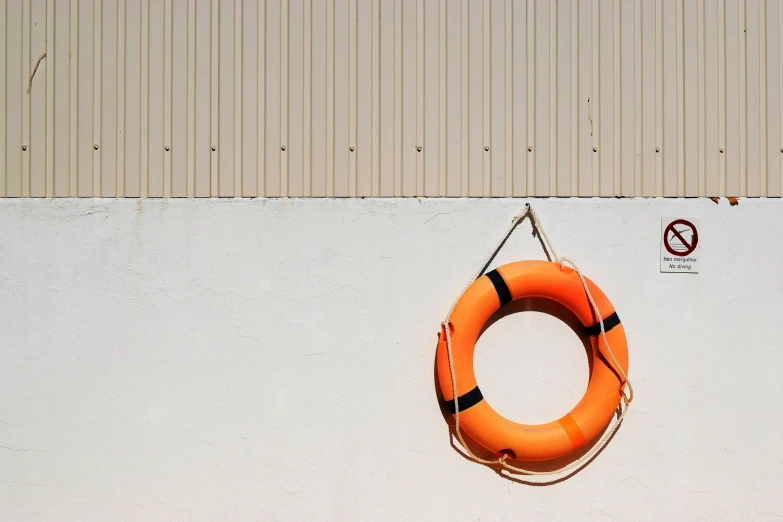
(593, 412)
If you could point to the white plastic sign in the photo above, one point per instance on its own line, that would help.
(680, 245)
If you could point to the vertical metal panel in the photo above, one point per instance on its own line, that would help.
(733, 80)
(669, 147)
(191, 101)
(387, 46)
(226, 81)
(519, 98)
(586, 126)
(318, 108)
(649, 98)
(155, 99)
(363, 150)
(329, 95)
(638, 147)
(543, 99)
(691, 96)
(26, 70)
(754, 81)
(774, 120)
(339, 99)
(177, 148)
(701, 99)
(406, 50)
(236, 186)
(307, 96)
(628, 132)
(442, 95)
(58, 99)
(419, 95)
(168, 96)
(743, 99)
(261, 102)
(431, 93)
(595, 113)
(272, 102)
(132, 99)
(139, 98)
(119, 189)
(564, 99)
(14, 89)
(712, 108)
(295, 150)
(49, 158)
(773, 175)
(3, 82)
(497, 109)
(36, 100)
(475, 99)
(84, 102)
(214, 93)
(606, 98)
(202, 123)
(249, 98)
(109, 128)
(144, 95)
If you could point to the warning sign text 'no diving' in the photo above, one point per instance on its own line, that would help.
(680, 245)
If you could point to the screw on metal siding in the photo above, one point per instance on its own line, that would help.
(168, 148)
(282, 148)
(351, 148)
(418, 148)
(95, 146)
(486, 148)
(214, 148)
(657, 149)
(721, 150)
(24, 147)
(595, 149)
(530, 148)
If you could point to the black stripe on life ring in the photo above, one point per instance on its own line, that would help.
(500, 286)
(609, 323)
(466, 401)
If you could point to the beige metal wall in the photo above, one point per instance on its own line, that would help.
(391, 98)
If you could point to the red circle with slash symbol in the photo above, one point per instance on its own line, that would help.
(684, 247)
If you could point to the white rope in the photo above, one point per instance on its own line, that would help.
(626, 398)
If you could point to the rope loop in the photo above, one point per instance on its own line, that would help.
(627, 398)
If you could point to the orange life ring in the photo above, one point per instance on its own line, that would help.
(590, 416)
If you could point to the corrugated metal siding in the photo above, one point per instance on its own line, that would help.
(199, 98)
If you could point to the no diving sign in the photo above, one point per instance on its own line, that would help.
(680, 245)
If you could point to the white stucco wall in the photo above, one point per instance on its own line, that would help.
(273, 360)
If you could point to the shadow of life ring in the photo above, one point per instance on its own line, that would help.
(594, 411)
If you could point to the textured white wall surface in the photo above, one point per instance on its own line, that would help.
(273, 360)
(197, 98)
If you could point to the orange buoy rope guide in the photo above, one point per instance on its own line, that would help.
(608, 379)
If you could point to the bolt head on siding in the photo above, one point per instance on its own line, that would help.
(418, 148)
(595, 149)
(214, 148)
(24, 147)
(530, 148)
(351, 148)
(95, 146)
(486, 148)
(282, 148)
(168, 148)
(657, 149)
(721, 150)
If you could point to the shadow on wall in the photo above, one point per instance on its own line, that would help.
(564, 314)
